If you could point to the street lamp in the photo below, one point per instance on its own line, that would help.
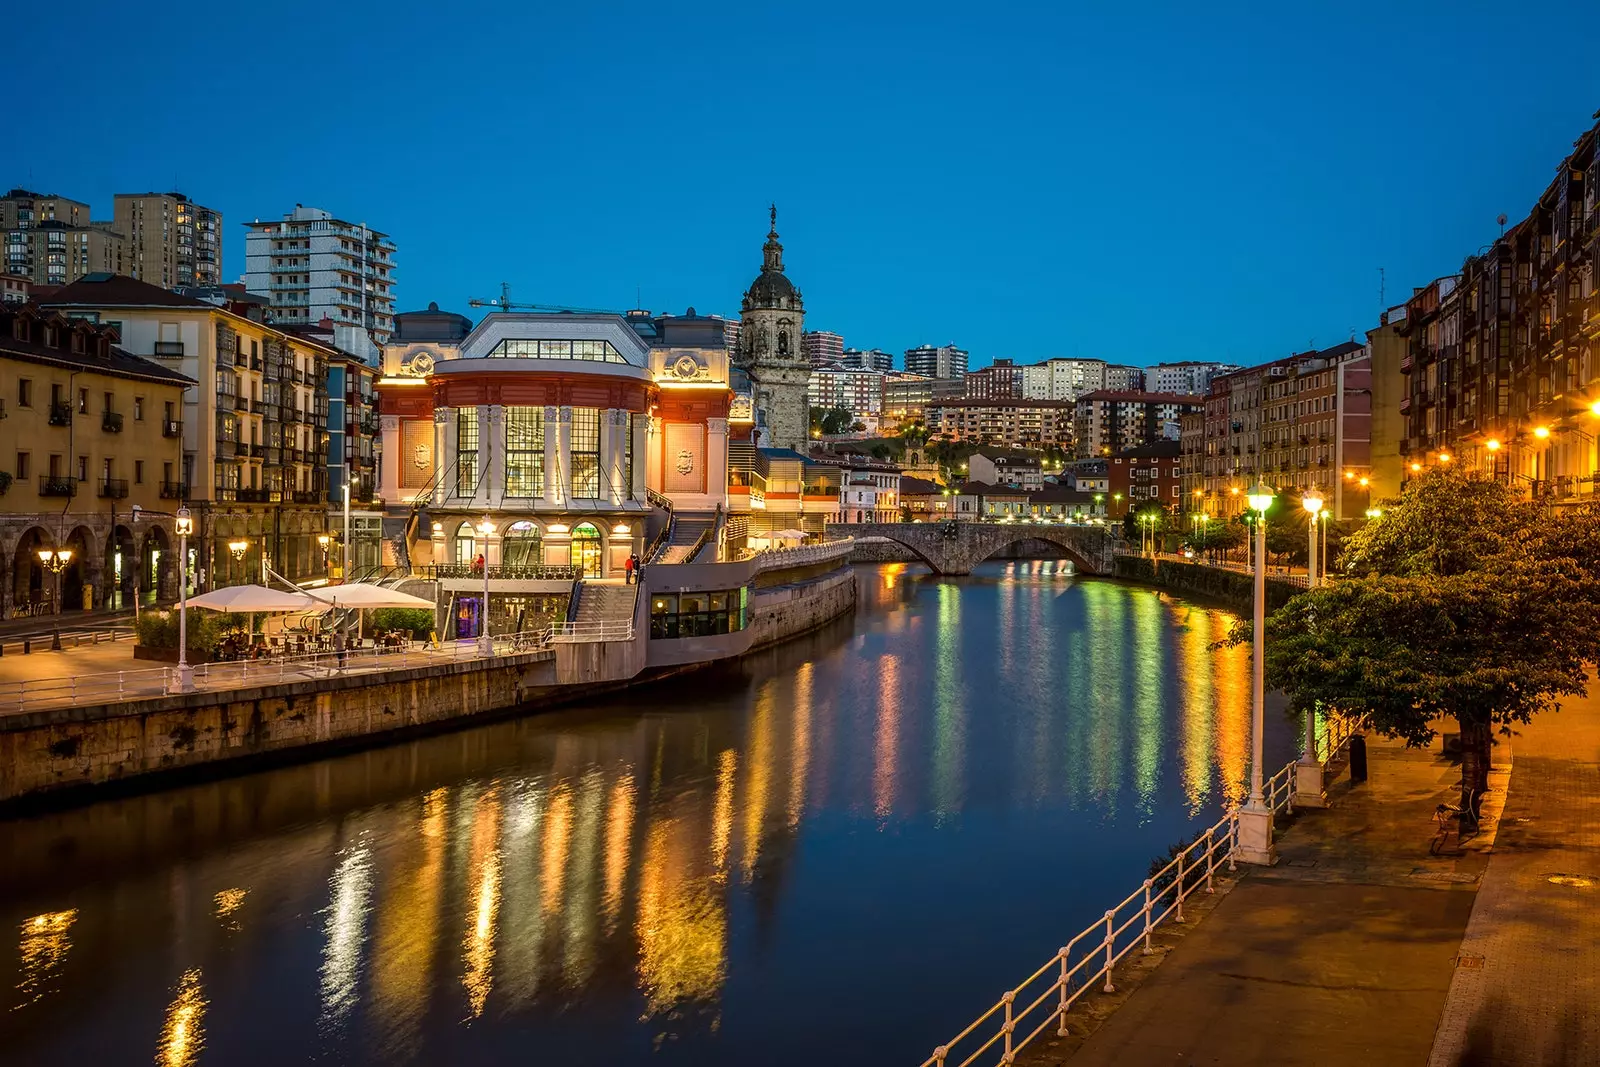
(184, 524)
(1374, 513)
(238, 548)
(1255, 819)
(55, 561)
(323, 540)
(1311, 500)
(485, 642)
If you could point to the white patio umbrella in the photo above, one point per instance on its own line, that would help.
(253, 598)
(362, 595)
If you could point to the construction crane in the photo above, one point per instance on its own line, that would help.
(505, 303)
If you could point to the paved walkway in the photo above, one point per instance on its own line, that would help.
(1341, 953)
(1530, 984)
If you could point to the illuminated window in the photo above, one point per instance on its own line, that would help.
(585, 481)
(524, 451)
(466, 451)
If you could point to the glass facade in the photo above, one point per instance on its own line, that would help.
(698, 614)
(587, 351)
(524, 451)
(522, 546)
(585, 482)
(466, 451)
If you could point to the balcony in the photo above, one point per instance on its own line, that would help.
(171, 428)
(241, 403)
(308, 496)
(257, 451)
(113, 488)
(169, 348)
(60, 413)
(241, 449)
(111, 421)
(254, 496)
(57, 485)
(255, 362)
(174, 491)
(241, 360)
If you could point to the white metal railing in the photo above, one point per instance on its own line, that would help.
(584, 632)
(1047, 995)
(802, 554)
(145, 684)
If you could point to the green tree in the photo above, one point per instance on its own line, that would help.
(1462, 601)
(1214, 538)
(836, 421)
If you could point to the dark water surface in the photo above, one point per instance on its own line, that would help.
(838, 851)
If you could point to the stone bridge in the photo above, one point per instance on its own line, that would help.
(952, 547)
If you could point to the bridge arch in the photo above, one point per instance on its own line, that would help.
(953, 547)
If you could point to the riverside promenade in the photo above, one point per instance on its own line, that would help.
(1361, 946)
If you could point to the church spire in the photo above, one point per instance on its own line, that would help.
(772, 251)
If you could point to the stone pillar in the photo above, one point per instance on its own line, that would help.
(552, 494)
(613, 445)
(492, 453)
(717, 460)
(444, 454)
(563, 483)
(656, 442)
(389, 467)
(640, 428)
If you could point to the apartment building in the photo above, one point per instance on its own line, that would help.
(168, 239)
(859, 392)
(1063, 379)
(50, 240)
(255, 431)
(311, 266)
(1007, 423)
(1120, 379)
(937, 361)
(1109, 421)
(88, 432)
(1001, 380)
(872, 359)
(1021, 470)
(822, 348)
(1146, 474)
(907, 397)
(1187, 376)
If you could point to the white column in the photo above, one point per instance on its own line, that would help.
(640, 428)
(564, 450)
(554, 493)
(389, 465)
(444, 454)
(654, 443)
(613, 438)
(717, 461)
(492, 454)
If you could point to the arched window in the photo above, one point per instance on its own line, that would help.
(522, 546)
(586, 549)
(466, 544)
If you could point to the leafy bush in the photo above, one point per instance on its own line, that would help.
(159, 629)
(419, 621)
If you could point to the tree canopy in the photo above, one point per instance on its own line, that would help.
(1462, 600)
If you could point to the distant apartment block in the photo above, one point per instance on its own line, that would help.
(872, 359)
(906, 396)
(1120, 379)
(1110, 421)
(1063, 379)
(1002, 380)
(859, 392)
(1007, 423)
(822, 347)
(51, 241)
(1190, 377)
(168, 239)
(936, 361)
(310, 266)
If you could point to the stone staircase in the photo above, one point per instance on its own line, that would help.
(686, 530)
(603, 602)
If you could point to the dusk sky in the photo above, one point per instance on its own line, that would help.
(1170, 181)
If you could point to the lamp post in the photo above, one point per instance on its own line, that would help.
(323, 541)
(485, 642)
(238, 548)
(55, 561)
(1255, 818)
(185, 526)
(1311, 500)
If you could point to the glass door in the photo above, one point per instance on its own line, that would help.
(586, 549)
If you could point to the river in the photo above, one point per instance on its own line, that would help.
(836, 851)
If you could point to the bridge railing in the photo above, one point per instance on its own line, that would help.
(801, 555)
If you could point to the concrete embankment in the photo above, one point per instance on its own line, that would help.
(1234, 588)
(70, 754)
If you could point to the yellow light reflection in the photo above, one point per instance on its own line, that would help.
(801, 743)
(1149, 620)
(619, 838)
(477, 950)
(183, 1033)
(408, 925)
(557, 839)
(227, 903)
(1197, 724)
(345, 929)
(682, 925)
(760, 777)
(1232, 672)
(949, 712)
(722, 810)
(43, 949)
(580, 906)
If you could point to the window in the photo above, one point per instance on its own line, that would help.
(83, 401)
(138, 472)
(23, 459)
(585, 453)
(522, 545)
(524, 451)
(697, 614)
(138, 409)
(466, 451)
(110, 407)
(83, 468)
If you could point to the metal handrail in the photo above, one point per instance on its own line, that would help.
(1091, 956)
(570, 632)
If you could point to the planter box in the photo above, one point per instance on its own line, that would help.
(168, 655)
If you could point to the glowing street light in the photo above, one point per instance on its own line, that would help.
(1444, 457)
(1311, 500)
(1308, 772)
(1374, 513)
(485, 642)
(183, 523)
(1541, 432)
(1255, 818)
(1492, 444)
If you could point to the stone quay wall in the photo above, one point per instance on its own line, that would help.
(63, 755)
(1234, 588)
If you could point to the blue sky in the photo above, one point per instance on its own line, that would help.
(1156, 182)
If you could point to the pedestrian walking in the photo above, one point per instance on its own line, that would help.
(628, 566)
(338, 646)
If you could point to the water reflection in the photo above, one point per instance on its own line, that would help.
(43, 949)
(633, 867)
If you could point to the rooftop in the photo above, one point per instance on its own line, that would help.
(1141, 397)
(100, 355)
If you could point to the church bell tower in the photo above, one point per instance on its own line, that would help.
(771, 321)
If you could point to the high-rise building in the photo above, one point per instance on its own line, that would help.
(1002, 380)
(872, 359)
(1191, 377)
(941, 361)
(1008, 423)
(772, 319)
(50, 239)
(859, 392)
(906, 396)
(1063, 379)
(169, 240)
(822, 347)
(1122, 379)
(311, 266)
